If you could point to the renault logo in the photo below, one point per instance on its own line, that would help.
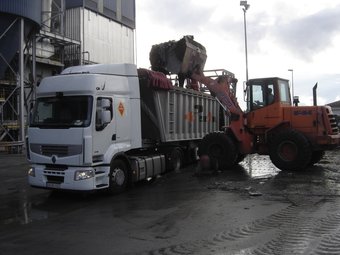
(54, 159)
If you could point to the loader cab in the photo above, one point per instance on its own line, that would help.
(266, 98)
(264, 92)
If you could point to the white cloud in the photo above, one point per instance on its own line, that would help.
(303, 35)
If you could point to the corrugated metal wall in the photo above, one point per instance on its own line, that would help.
(73, 23)
(30, 9)
(122, 11)
(73, 28)
(104, 41)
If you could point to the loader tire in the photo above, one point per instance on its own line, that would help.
(316, 157)
(220, 149)
(290, 150)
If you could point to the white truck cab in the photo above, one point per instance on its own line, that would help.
(82, 119)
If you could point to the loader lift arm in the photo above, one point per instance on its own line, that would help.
(223, 89)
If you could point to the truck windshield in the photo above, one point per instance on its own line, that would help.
(62, 112)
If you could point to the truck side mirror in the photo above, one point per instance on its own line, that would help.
(105, 103)
(103, 113)
(105, 117)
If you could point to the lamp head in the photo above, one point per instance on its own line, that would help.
(245, 5)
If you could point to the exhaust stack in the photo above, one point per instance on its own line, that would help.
(314, 94)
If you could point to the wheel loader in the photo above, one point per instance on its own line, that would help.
(294, 137)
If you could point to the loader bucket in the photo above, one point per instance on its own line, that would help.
(178, 57)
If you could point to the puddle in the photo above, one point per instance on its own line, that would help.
(17, 208)
(22, 207)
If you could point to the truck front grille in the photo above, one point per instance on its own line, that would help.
(56, 149)
(55, 179)
(55, 173)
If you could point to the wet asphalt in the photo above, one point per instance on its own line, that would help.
(251, 209)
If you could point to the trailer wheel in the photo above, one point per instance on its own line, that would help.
(220, 149)
(176, 159)
(290, 150)
(118, 178)
(316, 157)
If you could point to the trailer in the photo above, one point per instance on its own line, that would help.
(102, 127)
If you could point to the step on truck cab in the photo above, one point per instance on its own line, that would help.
(104, 126)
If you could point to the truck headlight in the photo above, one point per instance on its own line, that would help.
(83, 174)
(31, 172)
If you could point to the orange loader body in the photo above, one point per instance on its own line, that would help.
(293, 136)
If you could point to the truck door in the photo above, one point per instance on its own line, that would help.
(105, 128)
(123, 119)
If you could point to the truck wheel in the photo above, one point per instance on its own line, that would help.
(118, 177)
(316, 157)
(220, 149)
(176, 159)
(290, 150)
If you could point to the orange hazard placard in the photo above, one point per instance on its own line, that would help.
(121, 108)
(189, 117)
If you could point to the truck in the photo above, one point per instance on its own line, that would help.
(293, 136)
(105, 126)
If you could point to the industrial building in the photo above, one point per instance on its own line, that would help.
(40, 38)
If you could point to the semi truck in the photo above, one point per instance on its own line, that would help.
(294, 137)
(102, 127)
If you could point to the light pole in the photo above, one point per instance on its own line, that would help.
(292, 71)
(245, 8)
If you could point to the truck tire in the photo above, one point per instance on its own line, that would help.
(176, 159)
(290, 150)
(316, 157)
(118, 178)
(220, 149)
